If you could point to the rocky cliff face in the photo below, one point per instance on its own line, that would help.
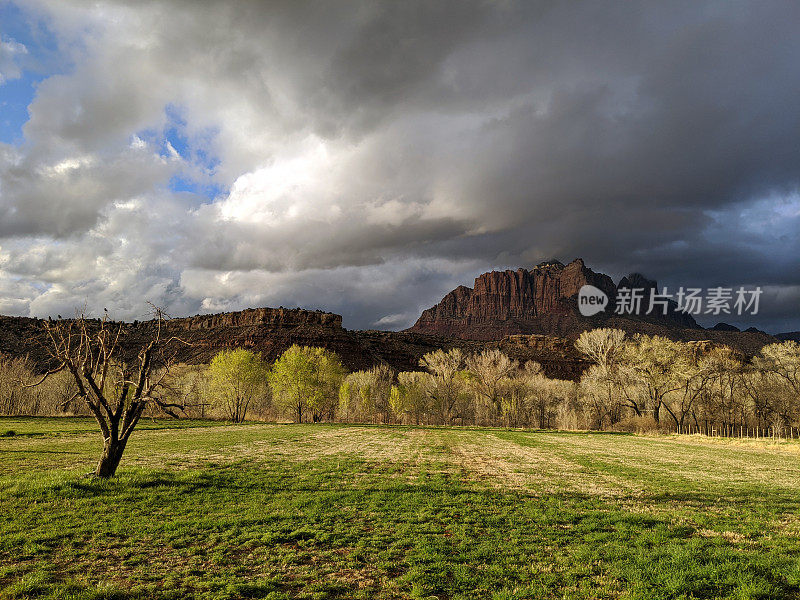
(543, 301)
(793, 336)
(266, 330)
(260, 317)
(529, 314)
(539, 301)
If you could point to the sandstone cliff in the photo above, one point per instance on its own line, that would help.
(543, 301)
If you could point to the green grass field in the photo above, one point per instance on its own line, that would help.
(204, 510)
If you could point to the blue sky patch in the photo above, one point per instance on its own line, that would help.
(42, 60)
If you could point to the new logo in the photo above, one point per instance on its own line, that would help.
(591, 300)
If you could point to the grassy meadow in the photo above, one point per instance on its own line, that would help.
(212, 511)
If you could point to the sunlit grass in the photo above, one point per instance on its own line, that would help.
(336, 511)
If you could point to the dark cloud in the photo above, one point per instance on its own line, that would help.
(370, 156)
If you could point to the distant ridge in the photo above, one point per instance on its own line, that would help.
(789, 336)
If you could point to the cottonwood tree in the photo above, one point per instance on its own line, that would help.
(651, 366)
(367, 393)
(306, 379)
(489, 375)
(448, 383)
(528, 398)
(116, 390)
(782, 360)
(602, 346)
(191, 385)
(721, 371)
(238, 378)
(780, 365)
(694, 382)
(410, 398)
(601, 383)
(14, 396)
(599, 393)
(328, 375)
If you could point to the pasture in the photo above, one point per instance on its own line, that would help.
(213, 511)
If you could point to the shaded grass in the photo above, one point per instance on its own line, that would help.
(50, 426)
(291, 521)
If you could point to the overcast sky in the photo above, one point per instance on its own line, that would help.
(366, 158)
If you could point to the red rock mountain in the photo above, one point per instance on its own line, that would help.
(508, 302)
(543, 301)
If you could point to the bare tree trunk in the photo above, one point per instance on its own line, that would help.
(109, 460)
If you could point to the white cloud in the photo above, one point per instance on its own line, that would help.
(378, 159)
(10, 53)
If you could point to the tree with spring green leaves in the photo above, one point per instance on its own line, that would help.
(410, 398)
(447, 391)
(306, 380)
(366, 394)
(238, 378)
(489, 375)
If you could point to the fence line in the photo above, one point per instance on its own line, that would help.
(744, 431)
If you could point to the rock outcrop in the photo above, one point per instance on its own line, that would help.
(262, 317)
(528, 314)
(789, 336)
(267, 330)
(724, 327)
(539, 301)
(520, 294)
(543, 301)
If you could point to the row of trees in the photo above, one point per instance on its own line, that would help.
(55, 396)
(310, 384)
(487, 388)
(641, 380)
(691, 386)
(648, 379)
(641, 377)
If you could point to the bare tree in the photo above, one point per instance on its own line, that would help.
(116, 391)
(653, 365)
(783, 360)
(598, 387)
(601, 384)
(602, 346)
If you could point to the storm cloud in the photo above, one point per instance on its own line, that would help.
(368, 157)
